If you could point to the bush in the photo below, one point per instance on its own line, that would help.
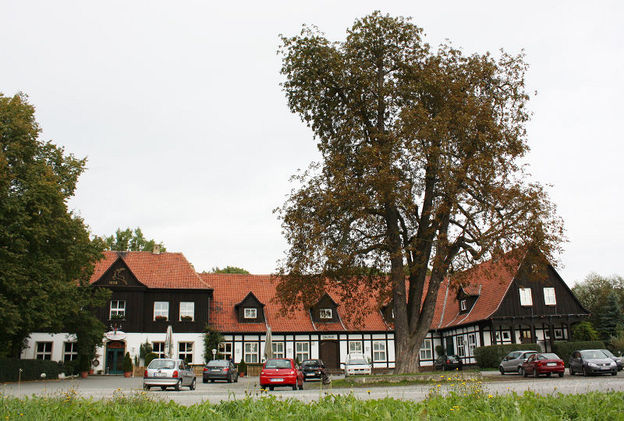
(491, 356)
(31, 369)
(584, 331)
(565, 349)
(149, 357)
(242, 367)
(127, 363)
(70, 368)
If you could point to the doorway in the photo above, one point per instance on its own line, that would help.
(114, 357)
(329, 354)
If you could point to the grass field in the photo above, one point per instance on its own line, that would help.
(465, 403)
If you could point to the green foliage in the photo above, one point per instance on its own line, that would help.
(229, 269)
(616, 344)
(128, 240)
(144, 349)
(439, 349)
(127, 363)
(212, 339)
(491, 356)
(31, 369)
(611, 318)
(564, 349)
(594, 294)
(584, 331)
(46, 250)
(242, 367)
(149, 357)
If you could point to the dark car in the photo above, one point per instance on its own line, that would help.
(542, 363)
(281, 372)
(512, 361)
(313, 369)
(220, 370)
(448, 362)
(592, 361)
(618, 360)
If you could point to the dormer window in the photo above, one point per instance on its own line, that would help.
(462, 305)
(325, 313)
(250, 313)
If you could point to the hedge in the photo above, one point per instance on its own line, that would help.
(491, 356)
(565, 349)
(31, 369)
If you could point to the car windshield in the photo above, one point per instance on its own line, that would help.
(593, 355)
(607, 353)
(312, 363)
(357, 361)
(548, 357)
(160, 364)
(277, 364)
(218, 363)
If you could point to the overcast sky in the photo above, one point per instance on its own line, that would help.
(177, 106)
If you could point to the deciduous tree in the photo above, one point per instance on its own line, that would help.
(129, 240)
(420, 171)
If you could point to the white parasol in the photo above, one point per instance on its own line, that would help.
(268, 344)
(169, 342)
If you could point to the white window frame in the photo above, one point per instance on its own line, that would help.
(526, 297)
(251, 352)
(379, 351)
(302, 351)
(550, 299)
(461, 346)
(117, 309)
(70, 354)
(506, 335)
(185, 350)
(250, 313)
(325, 313)
(356, 347)
(225, 349)
(43, 353)
(278, 349)
(472, 343)
(426, 350)
(558, 333)
(161, 308)
(158, 348)
(462, 305)
(187, 308)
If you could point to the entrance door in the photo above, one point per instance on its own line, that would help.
(329, 354)
(114, 357)
(450, 347)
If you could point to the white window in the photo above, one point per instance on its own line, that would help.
(558, 333)
(161, 310)
(251, 352)
(185, 351)
(278, 349)
(461, 346)
(426, 350)
(44, 351)
(506, 335)
(526, 299)
(325, 313)
(158, 348)
(462, 305)
(117, 309)
(549, 296)
(187, 311)
(302, 351)
(225, 349)
(251, 313)
(472, 343)
(355, 346)
(379, 351)
(70, 351)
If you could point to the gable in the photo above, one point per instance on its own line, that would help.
(325, 310)
(119, 275)
(250, 310)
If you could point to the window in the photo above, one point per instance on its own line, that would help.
(325, 313)
(161, 310)
(225, 349)
(462, 305)
(251, 352)
(472, 343)
(251, 313)
(355, 346)
(549, 297)
(185, 351)
(158, 348)
(426, 350)
(44, 351)
(70, 351)
(558, 333)
(187, 311)
(461, 346)
(302, 350)
(379, 351)
(278, 349)
(525, 297)
(506, 335)
(117, 309)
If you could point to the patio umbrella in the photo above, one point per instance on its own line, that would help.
(268, 344)
(169, 342)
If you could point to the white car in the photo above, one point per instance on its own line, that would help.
(168, 372)
(357, 364)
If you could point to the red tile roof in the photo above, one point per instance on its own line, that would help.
(164, 270)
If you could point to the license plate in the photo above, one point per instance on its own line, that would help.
(277, 380)
(216, 369)
(551, 364)
(159, 375)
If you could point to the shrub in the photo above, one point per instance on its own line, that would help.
(84, 362)
(439, 349)
(565, 349)
(149, 357)
(617, 343)
(242, 367)
(31, 369)
(491, 356)
(584, 331)
(127, 363)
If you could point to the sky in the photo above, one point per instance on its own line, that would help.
(177, 106)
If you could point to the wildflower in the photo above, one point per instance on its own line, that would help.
(490, 396)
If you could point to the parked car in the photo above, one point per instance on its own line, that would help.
(618, 360)
(592, 361)
(448, 362)
(512, 361)
(281, 372)
(357, 364)
(543, 363)
(168, 372)
(220, 370)
(314, 369)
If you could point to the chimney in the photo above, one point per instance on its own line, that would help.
(156, 249)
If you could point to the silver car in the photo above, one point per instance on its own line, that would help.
(512, 361)
(168, 372)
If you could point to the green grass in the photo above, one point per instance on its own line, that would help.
(468, 403)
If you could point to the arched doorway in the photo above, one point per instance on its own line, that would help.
(114, 357)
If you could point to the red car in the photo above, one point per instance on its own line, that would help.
(542, 363)
(281, 372)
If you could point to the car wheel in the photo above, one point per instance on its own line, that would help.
(585, 372)
(193, 384)
(561, 374)
(520, 371)
(502, 371)
(548, 374)
(614, 373)
(212, 380)
(163, 387)
(205, 380)
(523, 373)
(146, 387)
(271, 388)
(177, 386)
(294, 386)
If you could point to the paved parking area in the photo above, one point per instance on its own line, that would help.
(106, 387)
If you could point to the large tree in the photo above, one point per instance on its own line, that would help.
(420, 174)
(46, 254)
(131, 240)
(601, 296)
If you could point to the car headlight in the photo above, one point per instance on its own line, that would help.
(613, 363)
(592, 365)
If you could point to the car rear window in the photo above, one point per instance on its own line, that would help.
(160, 364)
(218, 363)
(277, 364)
(310, 364)
(549, 357)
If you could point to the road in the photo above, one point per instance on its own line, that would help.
(106, 387)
